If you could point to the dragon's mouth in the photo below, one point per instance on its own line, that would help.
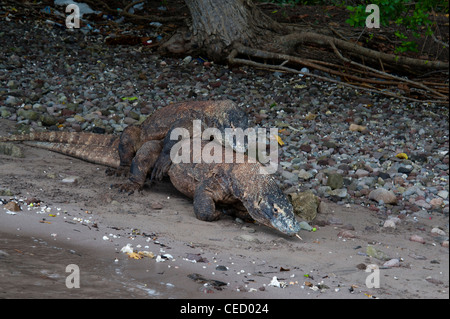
(288, 227)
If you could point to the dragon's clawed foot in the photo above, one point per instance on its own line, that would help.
(159, 170)
(120, 171)
(128, 187)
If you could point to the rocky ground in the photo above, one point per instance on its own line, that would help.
(339, 143)
(342, 145)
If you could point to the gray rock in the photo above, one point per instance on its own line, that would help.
(322, 191)
(389, 224)
(305, 226)
(416, 189)
(423, 204)
(361, 173)
(12, 100)
(305, 175)
(392, 263)
(341, 192)
(443, 194)
(289, 176)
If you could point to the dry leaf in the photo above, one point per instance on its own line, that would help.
(134, 256)
(279, 140)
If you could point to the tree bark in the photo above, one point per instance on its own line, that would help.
(238, 32)
(216, 25)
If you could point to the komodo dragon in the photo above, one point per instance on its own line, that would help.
(139, 144)
(236, 184)
(239, 186)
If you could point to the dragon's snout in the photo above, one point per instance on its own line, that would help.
(279, 217)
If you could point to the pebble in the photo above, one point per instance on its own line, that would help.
(357, 128)
(389, 224)
(382, 195)
(156, 206)
(438, 232)
(361, 173)
(392, 263)
(305, 175)
(344, 154)
(71, 180)
(376, 253)
(422, 203)
(346, 234)
(221, 268)
(340, 193)
(443, 194)
(417, 238)
(305, 226)
(305, 205)
(405, 170)
(248, 238)
(335, 181)
(436, 202)
(12, 206)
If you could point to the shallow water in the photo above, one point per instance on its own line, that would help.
(34, 268)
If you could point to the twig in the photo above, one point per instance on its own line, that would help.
(439, 41)
(384, 73)
(291, 40)
(232, 59)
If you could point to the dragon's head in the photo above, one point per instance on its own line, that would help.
(274, 210)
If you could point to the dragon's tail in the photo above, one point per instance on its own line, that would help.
(77, 138)
(104, 155)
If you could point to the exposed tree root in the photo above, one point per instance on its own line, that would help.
(287, 63)
(291, 41)
(355, 65)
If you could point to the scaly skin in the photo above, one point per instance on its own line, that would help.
(91, 147)
(138, 143)
(235, 184)
(146, 146)
(240, 187)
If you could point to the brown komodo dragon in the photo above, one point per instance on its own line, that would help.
(244, 185)
(241, 186)
(138, 145)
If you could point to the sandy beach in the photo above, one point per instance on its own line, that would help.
(87, 223)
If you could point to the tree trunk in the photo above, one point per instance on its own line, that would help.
(238, 33)
(217, 25)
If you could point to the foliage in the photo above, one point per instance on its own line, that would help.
(412, 15)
